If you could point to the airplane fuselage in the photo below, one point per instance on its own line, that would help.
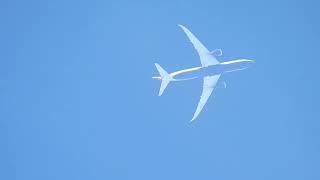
(210, 71)
(200, 72)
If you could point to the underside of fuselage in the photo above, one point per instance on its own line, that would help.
(200, 72)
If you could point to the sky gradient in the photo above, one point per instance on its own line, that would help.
(77, 100)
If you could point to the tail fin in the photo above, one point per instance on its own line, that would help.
(165, 78)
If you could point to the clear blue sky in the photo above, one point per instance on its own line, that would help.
(78, 102)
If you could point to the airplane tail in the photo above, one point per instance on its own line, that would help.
(164, 77)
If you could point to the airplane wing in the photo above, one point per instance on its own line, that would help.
(205, 56)
(209, 83)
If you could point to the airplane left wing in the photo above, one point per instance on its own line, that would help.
(209, 83)
(206, 57)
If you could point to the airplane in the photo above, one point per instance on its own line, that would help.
(210, 70)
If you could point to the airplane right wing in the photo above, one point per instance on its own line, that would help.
(206, 57)
(209, 83)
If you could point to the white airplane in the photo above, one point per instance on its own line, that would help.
(210, 70)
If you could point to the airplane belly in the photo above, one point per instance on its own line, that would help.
(232, 67)
(189, 75)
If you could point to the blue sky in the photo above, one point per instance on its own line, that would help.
(78, 102)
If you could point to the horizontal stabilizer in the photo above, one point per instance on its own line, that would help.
(165, 78)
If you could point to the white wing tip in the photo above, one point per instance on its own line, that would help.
(180, 25)
(193, 118)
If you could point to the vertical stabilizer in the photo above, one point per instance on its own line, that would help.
(165, 78)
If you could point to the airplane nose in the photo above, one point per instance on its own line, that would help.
(251, 61)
